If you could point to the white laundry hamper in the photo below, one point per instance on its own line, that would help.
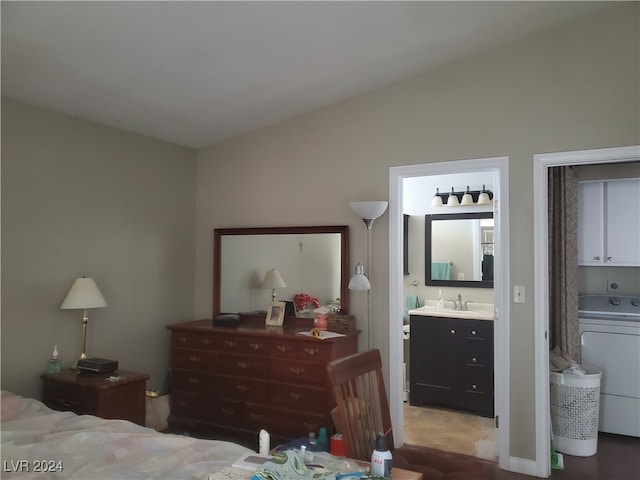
(575, 405)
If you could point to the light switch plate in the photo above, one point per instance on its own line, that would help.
(518, 293)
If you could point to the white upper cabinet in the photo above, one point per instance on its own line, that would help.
(609, 222)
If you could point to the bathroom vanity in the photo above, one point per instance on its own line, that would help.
(451, 358)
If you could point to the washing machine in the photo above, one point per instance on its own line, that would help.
(610, 341)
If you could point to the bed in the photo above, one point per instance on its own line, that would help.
(41, 443)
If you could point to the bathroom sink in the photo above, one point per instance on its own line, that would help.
(477, 311)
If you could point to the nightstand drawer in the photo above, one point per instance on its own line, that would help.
(61, 397)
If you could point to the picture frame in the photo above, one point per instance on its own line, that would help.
(275, 314)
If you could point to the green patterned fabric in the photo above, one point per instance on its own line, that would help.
(289, 465)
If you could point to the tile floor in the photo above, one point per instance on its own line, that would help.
(450, 431)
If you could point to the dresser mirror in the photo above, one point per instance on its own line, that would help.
(459, 250)
(310, 260)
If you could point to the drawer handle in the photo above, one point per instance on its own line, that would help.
(256, 346)
(296, 396)
(474, 386)
(596, 258)
(205, 341)
(194, 380)
(609, 259)
(68, 403)
(312, 351)
(230, 343)
(193, 358)
(474, 360)
(283, 348)
(244, 364)
(243, 388)
(453, 332)
(296, 370)
(228, 411)
(473, 332)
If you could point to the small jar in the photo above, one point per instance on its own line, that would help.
(320, 322)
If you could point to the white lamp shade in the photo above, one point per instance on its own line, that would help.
(273, 279)
(483, 199)
(84, 293)
(453, 200)
(467, 199)
(369, 210)
(359, 281)
(436, 201)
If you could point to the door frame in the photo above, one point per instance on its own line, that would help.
(541, 164)
(500, 167)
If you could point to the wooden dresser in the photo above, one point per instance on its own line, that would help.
(251, 377)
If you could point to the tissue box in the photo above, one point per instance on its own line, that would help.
(339, 323)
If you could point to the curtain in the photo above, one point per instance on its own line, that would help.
(563, 262)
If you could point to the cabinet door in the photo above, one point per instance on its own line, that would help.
(623, 223)
(590, 223)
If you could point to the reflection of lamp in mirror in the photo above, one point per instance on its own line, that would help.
(368, 212)
(273, 280)
(84, 294)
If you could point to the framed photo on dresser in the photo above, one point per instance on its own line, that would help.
(275, 314)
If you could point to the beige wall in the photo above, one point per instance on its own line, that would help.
(569, 88)
(82, 199)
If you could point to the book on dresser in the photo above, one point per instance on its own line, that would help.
(251, 377)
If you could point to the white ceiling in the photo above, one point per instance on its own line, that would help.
(194, 73)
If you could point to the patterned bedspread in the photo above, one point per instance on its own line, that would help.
(41, 443)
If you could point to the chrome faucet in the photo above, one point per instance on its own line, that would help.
(458, 304)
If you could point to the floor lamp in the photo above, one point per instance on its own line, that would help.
(368, 212)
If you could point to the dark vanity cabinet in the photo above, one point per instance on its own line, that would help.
(451, 363)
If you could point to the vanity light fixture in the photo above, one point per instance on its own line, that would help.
(437, 199)
(368, 212)
(466, 198)
(84, 294)
(273, 280)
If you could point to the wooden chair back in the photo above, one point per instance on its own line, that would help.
(361, 400)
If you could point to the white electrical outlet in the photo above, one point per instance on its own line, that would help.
(612, 286)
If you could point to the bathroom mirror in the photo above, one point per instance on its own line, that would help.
(311, 260)
(459, 250)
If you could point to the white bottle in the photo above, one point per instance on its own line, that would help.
(381, 461)
(440, 303)
(264, 443)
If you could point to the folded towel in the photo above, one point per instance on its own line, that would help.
(410, 303)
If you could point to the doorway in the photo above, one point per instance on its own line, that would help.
(542, 163)
(499, 167)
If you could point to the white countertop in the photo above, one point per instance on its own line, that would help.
(477, 311)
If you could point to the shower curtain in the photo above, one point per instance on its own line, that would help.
(563, 262)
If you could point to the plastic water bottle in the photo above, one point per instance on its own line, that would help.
(381, 461)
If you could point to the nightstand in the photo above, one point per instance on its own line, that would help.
(95, 394)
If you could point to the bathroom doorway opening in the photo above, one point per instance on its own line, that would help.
(498, 166)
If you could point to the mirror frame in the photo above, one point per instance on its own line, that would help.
(343, 230)
(427, 251)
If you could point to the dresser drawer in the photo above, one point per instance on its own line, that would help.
(243, 388)
(302, 350)
(475, 329)
(287, 422)
(300, 397)
(61, 397)
(196, 382)
(244, 365)
(192, 340)
(242, 345)
(476, 355)
(190, 359)
(311, 373)
(188, 405)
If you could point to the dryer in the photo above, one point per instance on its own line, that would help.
(610, 341)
